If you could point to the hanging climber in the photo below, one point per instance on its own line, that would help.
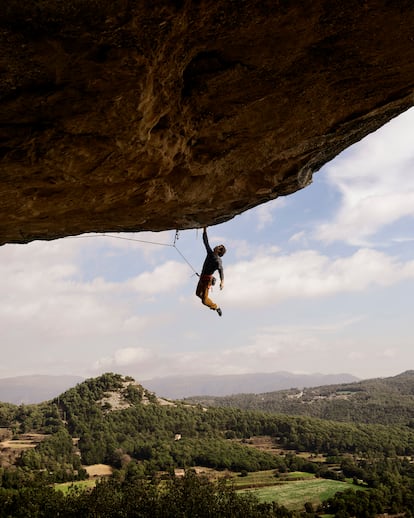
(211, 264)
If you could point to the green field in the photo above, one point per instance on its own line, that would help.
(254, 479)
(81, 484)
(294, 494)
(267, 478)
(290, 489)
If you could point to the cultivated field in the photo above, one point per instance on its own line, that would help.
(65, 487)
(292, 491)
(98, 470)
(10, 448)
(295, 494)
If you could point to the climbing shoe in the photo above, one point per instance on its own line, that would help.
(219, 311)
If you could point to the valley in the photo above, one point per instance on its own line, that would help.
(111, 436)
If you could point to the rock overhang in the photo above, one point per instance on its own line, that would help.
(133, 116)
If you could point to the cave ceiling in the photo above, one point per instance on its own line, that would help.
(128, 115)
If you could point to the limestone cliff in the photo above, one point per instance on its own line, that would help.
(128, 115)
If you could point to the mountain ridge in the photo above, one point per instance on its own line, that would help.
(178, 387)
(33, 389)
(388, 400)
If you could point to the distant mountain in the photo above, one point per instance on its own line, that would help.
(178, 387)
(34, 389)
(378, 400)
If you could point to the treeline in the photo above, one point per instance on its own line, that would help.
(359, 408)
(135, 497)
(128, 494)
(104, 434)
(43, 418)
(391, 490)
(147, 433)
(387, 401)
(54, 459)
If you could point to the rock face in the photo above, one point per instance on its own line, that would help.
(130, 115)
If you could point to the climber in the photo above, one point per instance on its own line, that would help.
(211, 264)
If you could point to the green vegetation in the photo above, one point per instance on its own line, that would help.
(190, 496)
(255, 479)
(295, 494)
(67, 487)
(306, 463)
(388, 401)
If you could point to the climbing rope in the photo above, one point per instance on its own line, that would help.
(195, 273)
(173, 245)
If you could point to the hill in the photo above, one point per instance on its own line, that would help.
(379, 400)
(178, 387)
(112, 418)
(38, 388)
(115, 421)
(34, 389)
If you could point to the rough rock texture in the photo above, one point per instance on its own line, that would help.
(128, 115)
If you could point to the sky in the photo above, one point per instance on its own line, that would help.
(318, 281)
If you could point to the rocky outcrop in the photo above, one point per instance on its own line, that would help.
(127, 115)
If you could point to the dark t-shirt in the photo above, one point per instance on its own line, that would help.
(212, 261)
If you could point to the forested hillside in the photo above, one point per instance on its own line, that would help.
(380, 400)
(113, 420)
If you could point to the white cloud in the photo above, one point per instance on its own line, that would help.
(390, 352)
(51, 319)
(40, 292)
(145, 363)
(164, 278)
(272, 278)
(125, 357)
(366, 217)
(239, 247)
(356, 355)
(375, 180)
(268, 349)
(299, 237)
(264, 212)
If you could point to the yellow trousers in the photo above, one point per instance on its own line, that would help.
(203, 287)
